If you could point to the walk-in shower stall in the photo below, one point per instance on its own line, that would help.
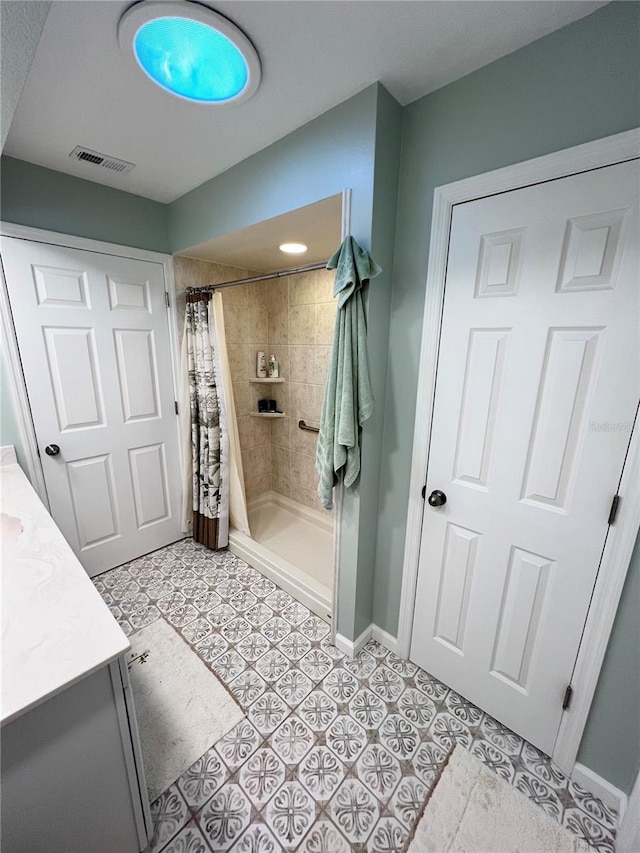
(291, 317)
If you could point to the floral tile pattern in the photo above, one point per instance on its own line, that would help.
(334, 755)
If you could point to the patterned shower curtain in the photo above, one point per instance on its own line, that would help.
(209, 434)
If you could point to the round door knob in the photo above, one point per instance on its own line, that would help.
(52, 450)
(437, 498)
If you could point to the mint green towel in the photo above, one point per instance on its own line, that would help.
(348, 401)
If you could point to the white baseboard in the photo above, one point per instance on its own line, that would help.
(608, 793)
(385, 639)
(371, 632)
(352, 647)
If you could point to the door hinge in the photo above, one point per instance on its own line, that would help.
(568, 693)
(175, 406)
(614, 509)
(166, 296)
(424, 491)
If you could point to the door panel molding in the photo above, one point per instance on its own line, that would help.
(621, 537)
(9, 342)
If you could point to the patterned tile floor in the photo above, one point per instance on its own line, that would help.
(334, 754)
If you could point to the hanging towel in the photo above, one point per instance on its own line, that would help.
(348, 401)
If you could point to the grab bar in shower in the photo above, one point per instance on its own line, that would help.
(305, 426)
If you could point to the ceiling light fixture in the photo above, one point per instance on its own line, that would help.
(190, 50)
(293, 248)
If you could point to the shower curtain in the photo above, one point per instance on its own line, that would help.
(213, 487)
(237, 497)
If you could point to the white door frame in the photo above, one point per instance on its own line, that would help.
(11, 351)
(621, 536)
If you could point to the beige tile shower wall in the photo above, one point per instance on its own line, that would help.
(190, 272)
(293, 318)
(301, 316)
(245, 315)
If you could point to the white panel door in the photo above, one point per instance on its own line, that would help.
(94, 343)
(537, 388)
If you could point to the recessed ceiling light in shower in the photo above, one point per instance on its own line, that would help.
(293, 248)
(190, 50)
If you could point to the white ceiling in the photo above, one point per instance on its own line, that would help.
(315, 54)
(256, 247)
(21, 26)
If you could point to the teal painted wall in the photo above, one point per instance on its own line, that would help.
(39, 197)
(611, 741)
(385, 200)
(356, 145)
(577, 84)
(320, 159)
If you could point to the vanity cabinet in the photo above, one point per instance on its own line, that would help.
(72, 776)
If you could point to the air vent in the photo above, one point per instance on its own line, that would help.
(86, 155)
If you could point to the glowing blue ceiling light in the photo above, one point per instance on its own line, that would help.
(190, 51)
(190, 59)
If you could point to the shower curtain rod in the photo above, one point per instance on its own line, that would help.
(264, 277)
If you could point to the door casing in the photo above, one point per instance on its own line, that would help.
(9, 343)
(622, 535)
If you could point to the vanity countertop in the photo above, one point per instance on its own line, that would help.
(56, 629)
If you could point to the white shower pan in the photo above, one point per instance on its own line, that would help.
(293, 546)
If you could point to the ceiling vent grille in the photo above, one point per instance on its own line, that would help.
(86, 155)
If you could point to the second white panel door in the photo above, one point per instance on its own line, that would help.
(536, 392)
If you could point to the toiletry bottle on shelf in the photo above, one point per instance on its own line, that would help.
(273, 367)
(261, 366)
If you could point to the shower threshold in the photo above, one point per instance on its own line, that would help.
(292, 545)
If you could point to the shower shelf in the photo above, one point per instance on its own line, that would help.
(266, 381)
(267, 414)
